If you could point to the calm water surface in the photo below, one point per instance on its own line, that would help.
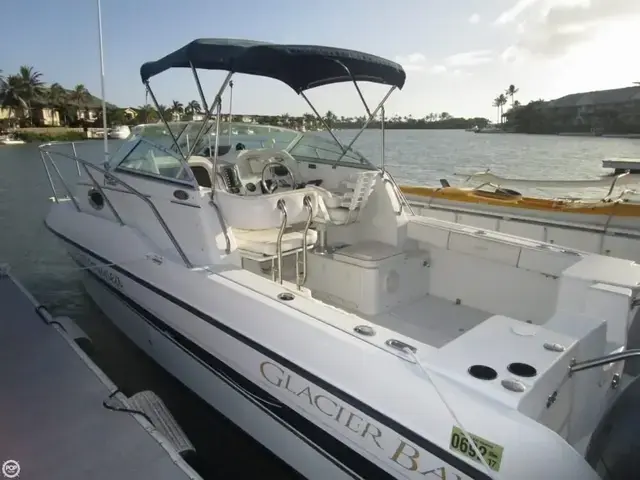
(414, 157)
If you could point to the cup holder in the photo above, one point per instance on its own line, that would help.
(522, 369)
(482, 372)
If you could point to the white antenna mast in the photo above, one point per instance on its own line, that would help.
(104, 102)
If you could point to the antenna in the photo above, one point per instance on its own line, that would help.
(104, 102)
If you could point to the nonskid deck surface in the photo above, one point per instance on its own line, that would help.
(54, 424)
(431, 320)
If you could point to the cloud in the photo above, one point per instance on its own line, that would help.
(514, 12)
(557, 26)
(469, 59)
(414, 62)
(417, 62)
(475, 18)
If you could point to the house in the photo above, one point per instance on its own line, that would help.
(45, 116)
(130, 113)
(583, 108)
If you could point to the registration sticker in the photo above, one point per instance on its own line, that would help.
(491, 452)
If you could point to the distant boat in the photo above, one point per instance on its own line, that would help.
(10, 140)
(475, 128)
(120, 132)
(490, 129)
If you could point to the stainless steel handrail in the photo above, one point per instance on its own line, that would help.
(126, 186)
(308, 205)
(283, 209)
(402, 200)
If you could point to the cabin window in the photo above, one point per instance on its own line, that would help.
(154, 160)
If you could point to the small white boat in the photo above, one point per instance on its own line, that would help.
(490, 129)
(10, 140)
(119, 132)
(295, 290)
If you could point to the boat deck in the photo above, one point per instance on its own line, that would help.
(431, 320)
(54, 424)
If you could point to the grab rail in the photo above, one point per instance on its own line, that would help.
(283, 209)
(301, 281)
(402, 200)
(44, 151)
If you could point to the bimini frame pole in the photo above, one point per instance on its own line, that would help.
(164, 120)
(230, 108)
(324, 123)
(217, 101)
(383, 139)
(364, 127)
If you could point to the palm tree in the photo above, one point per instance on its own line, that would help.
(79, 96)
(177, 109)
(12, 95)
(146, 113)
(330, 118)
(164, 112)
(57, 100)
(32, 87)
(496, 103)
(193, 107)
(503, 101)
(511, 91)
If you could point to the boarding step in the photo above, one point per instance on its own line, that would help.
(159, 415)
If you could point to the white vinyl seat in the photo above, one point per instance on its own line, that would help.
(262, 244)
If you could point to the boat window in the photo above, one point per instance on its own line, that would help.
(314, 148)
(154, 160)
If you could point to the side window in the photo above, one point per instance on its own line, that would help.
(149, 159)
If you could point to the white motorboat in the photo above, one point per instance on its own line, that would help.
(294, 290)
(119, 132)
(10, 140)
(490, 129)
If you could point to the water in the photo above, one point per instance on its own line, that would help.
(413, 157)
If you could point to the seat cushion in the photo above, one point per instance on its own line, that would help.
(264, 242)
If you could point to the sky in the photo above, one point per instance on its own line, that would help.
(458, 54)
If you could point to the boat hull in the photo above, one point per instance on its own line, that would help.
(236, 362)
(213, 381)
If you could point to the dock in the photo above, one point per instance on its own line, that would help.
(622, 165)
(61, 417)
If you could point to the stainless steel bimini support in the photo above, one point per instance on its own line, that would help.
(203, 99)
(113, 180)
(367, 122)
(164, 120)
(217, 101)
(324, 123)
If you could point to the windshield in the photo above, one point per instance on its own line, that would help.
(314, 147)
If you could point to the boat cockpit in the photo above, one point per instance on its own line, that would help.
(273, 186)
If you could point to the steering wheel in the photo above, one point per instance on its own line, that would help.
(273, 186)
